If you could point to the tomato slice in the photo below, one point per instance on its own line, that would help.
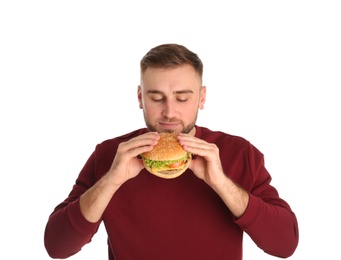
(176, 164)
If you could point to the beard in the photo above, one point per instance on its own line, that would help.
(185, 128)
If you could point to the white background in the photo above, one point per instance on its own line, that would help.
(69, 71)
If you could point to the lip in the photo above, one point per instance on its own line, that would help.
(169, 125)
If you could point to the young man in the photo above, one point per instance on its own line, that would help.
(201, 214)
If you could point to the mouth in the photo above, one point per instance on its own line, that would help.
(169, 125)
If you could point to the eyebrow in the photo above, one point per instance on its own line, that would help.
(175, 92)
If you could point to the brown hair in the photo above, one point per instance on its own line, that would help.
(170, 56)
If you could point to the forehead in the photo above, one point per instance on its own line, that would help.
(176, 78)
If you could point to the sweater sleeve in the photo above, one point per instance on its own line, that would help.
(268, 219)
(67, 231)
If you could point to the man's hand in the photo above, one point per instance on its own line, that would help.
(126, 165)
(207, 164)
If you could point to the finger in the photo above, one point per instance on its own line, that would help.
(140, 144)
(190, 142)
(201, 148)
(200, 151)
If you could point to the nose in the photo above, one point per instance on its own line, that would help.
(169, 109)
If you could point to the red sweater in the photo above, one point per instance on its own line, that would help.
(182, 218)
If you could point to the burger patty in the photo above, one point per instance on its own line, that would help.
(168, 172)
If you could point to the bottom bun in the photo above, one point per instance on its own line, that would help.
(170, 174)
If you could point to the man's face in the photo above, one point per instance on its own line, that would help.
(170, 98)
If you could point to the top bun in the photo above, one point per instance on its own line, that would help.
(167, 148)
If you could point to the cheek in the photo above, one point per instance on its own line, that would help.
(149, 106)
(188, 111)
(151, 110)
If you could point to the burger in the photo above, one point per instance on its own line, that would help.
(167, 159)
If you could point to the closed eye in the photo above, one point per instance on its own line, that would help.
(182, 100)
(158, 99)
(181, 96)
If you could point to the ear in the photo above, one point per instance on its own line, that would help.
(139, 96)
(202, 98)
